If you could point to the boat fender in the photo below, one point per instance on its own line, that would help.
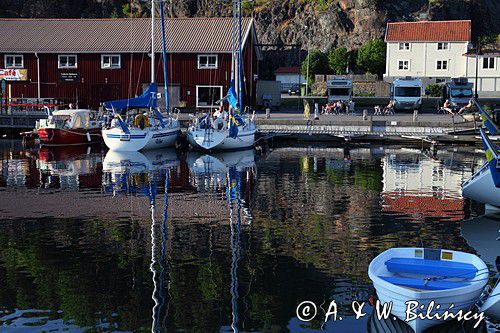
(88, 137)
(219, 124)
(141, 121)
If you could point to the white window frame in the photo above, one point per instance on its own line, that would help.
(208, 106)
(66, 55)
(402, 46)
(408, 65)
(488, 68)
(445, 46)
(200, 66)
(103, 66)
(442, 63)
(14, 64)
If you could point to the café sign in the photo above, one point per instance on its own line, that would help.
(14, 74)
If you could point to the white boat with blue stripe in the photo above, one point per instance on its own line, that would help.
(132, 130)
(233, 130)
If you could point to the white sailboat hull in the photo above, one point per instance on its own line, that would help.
(211, 139)
(148, 138)
(480, 187)
(462, 298)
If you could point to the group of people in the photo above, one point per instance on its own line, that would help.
(388, 109)
(448, 107)
(338, 107)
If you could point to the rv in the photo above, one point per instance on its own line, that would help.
(339, 89)
(458, 92)
(406, 93)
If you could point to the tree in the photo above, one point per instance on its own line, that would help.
(371, 57)
(338, 59)
(318, 64)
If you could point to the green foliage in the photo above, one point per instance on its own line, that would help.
(318, 64)
(489, 39)
(434, 90)
(338, 60)
(371, 57)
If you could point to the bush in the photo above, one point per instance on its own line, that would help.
(434, 90)
(338, 60)
(371, 57)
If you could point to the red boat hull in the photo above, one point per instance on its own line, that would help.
(57, 136)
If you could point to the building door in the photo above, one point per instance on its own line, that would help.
(174, 91)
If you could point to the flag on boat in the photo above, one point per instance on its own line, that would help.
(232, 97)
(233, 125)
(493, 158)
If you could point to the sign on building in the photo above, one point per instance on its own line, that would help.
(14, 74)
(70, 77)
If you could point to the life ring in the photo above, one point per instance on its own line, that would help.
(219, 124)
(141, 121)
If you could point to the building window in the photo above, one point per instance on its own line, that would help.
(443, 46)
(67, 61)
(14, 61)
(404, 65)
(111, 61)
(438, 81)
(208, 96)
(404, 46)
(442, 65)
(207, 61)
(489, 63)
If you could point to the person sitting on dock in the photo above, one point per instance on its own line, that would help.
(469, 108)
(447, 106)
(338, 107)
(389, 109)
(327, 108)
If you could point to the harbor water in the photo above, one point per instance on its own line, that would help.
(167, 241)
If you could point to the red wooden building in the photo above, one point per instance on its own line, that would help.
(89, 61)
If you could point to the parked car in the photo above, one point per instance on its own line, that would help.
(294, 90)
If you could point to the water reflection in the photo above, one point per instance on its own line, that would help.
(168, 241)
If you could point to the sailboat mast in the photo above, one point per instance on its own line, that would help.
(164, 52)
(240, 61)
(152, 41)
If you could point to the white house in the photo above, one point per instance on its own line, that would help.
(431, 50)
(289, 76)
(488, 71)
(437, 51)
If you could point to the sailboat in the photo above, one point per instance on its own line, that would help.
(237, 130)
(484, 185)
(146, 130)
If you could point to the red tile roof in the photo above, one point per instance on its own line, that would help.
(429, 31)
(287, 70)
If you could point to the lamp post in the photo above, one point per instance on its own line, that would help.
(307, 69)
(478, 49)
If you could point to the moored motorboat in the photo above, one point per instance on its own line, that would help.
(69, 127)
(421, 275)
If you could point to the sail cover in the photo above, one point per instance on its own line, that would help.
(146, 100)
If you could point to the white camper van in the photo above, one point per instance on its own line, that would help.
(406, 93)
(339, 89)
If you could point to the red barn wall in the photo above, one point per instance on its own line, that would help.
(98, 85)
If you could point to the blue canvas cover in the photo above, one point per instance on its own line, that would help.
(430, 268)
(146, 100)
